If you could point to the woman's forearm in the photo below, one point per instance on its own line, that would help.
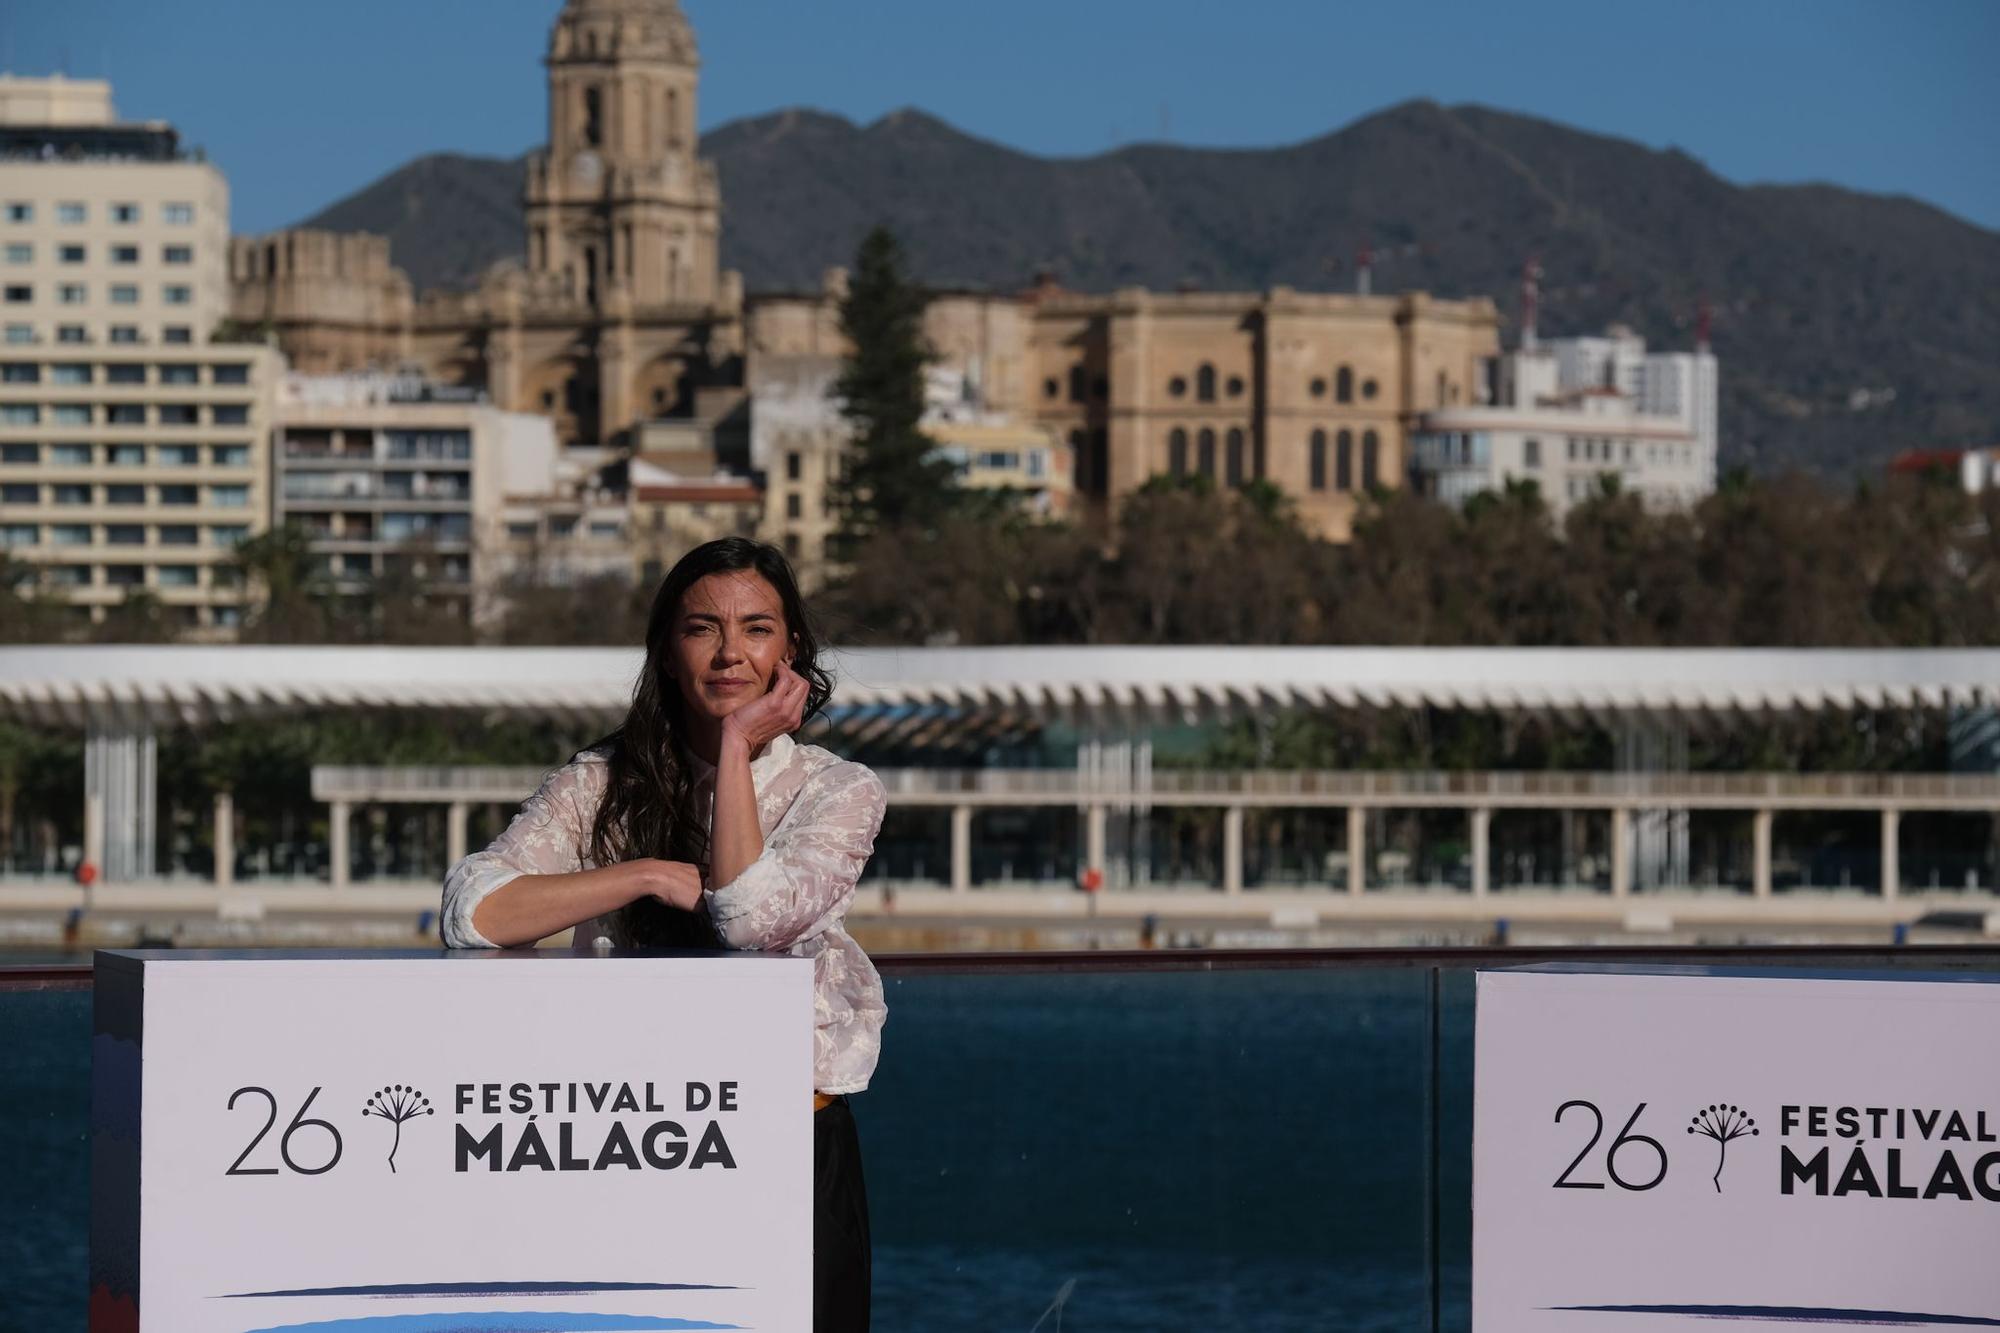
(528, 908)
(734, 837)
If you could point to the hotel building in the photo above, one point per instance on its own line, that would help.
(133, 447)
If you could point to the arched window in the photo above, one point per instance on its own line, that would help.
(1316, 462)
(1079, 461)
(1343, 385)
(1233, 458)
(593, 118)
(1371, 460)
(1444, 389)
(1079, 384)
(1205, 453)
(1204, 384)
(1343, 461)
(1177, 459)
(673, 118)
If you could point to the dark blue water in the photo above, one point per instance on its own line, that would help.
(1198, 1150)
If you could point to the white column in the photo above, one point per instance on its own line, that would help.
(1760, 852)
(1892, 821)
(1621, 853)
(225, 839)
(338, 861)
(1093, 839)
(119, 764)
(93, 830)
(1357, 849)
(1482, 839)
(454, 832)
(1232, 849)
(961, 848)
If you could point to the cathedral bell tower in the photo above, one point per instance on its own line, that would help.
(621, 213)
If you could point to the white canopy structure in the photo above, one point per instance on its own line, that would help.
(120, 695)
(128, 686)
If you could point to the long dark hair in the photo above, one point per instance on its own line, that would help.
(648, 807)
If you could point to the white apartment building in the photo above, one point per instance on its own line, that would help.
(394, 474)
(1576, 414)
(995, 449)
(797, 437)
(133, 448)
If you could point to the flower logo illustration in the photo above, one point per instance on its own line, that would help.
(1723, 1123)
(396, 1104)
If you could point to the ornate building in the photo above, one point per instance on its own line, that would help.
(620, 314)
(621, 327)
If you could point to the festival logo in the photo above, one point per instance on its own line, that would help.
(1725, 1124)
(396, 1104)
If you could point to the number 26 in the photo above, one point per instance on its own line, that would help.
(1625, 1138)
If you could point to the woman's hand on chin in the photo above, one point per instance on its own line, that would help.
(779, 711)
(675, 883)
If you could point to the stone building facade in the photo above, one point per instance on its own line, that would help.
(1317, 394)
(619, 314)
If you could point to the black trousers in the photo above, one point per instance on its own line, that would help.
(841, 1275)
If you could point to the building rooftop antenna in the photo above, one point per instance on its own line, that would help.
(1531, 300)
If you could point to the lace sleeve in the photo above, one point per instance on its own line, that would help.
(545, 838)
(803, 880)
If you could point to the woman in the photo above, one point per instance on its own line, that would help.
(701, 822)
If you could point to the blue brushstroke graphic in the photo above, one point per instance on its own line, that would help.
(480, 1289)
(1797, 1314)
(497, 1321)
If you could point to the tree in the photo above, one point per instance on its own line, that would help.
(891, 477)
(28, 613)
(140, 618)
(405, 605)
(295, 607)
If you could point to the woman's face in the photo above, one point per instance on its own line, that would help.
(727, 641)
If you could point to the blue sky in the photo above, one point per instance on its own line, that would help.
(302, 103)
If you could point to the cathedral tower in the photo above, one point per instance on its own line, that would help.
(620, 209)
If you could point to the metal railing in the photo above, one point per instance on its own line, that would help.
(1305, 787)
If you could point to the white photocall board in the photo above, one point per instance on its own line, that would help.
(431, 1143)
(1661, 1149)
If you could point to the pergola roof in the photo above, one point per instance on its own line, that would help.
(169, 685)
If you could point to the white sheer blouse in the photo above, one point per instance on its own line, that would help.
(819, 815)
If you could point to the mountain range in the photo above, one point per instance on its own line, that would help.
(1849, 326)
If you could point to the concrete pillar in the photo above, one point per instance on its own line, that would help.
(1093, 838)
(1621, 853)
(1232, 849)
(1892, 822)
(961, 848)
(119, 766)
(454, 832)
(225, 839)
(1760, 852)
(1482, 841)
(93, 831)
(1357, 849)
(338, 859)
